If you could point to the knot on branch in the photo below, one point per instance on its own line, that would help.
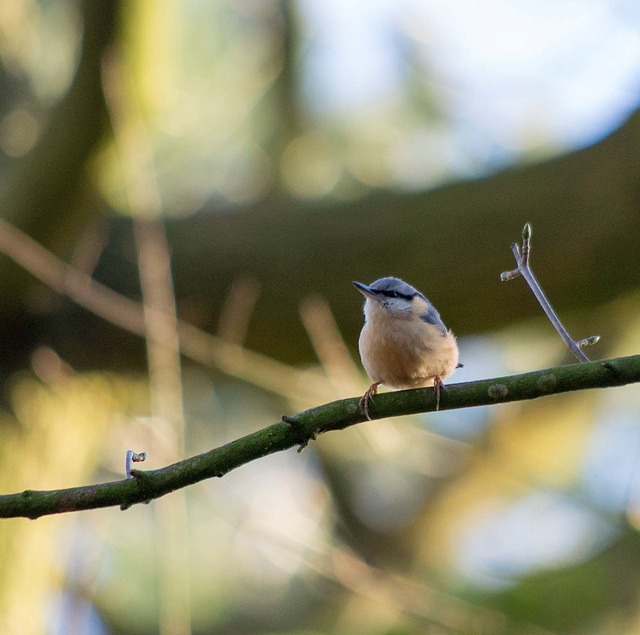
(547, 383)
(615, 371)
(301, 437)
(497, 391)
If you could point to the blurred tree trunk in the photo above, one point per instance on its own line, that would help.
(451, 243)
(36, 193)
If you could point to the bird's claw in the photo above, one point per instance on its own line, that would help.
(438, 386)
(363, 404)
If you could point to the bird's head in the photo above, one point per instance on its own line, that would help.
(392, 297)
(391, 294)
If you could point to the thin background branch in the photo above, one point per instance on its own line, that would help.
(198, 345)
(237, 309)
(161, 332)
(331, 350)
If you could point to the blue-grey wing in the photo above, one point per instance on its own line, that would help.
(433, 317)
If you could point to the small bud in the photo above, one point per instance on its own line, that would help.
(526, 243)
(509, 275)
(588, 341)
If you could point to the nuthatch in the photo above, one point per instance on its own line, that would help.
(404, 343)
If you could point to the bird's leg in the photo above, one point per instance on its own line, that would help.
(367, 397)
(437, 386)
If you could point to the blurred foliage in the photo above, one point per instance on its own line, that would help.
(55, 438)
(518, 519)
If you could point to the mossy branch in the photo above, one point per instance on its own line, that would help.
(303, 427)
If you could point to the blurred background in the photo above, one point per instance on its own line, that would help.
(187, 190)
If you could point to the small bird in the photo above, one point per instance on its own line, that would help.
(403, 343)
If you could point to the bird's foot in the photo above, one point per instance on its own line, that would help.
(367, 397)
(438, 386)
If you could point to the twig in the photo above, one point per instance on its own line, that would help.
(332, 352)
(133, 457)
(524, 270)
(237, 308)
(305, 426)
(154, 267)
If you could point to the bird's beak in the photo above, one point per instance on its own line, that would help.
(366, 291)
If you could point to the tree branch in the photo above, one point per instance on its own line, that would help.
(305, 426)
(524, 270)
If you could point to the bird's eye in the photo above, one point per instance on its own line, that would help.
(393, 294)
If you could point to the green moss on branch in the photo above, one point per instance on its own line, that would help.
(303, 427)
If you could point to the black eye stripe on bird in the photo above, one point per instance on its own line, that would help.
(396, 294)
(404, 343)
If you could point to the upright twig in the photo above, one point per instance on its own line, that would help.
(133, 457)
(524, 270)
